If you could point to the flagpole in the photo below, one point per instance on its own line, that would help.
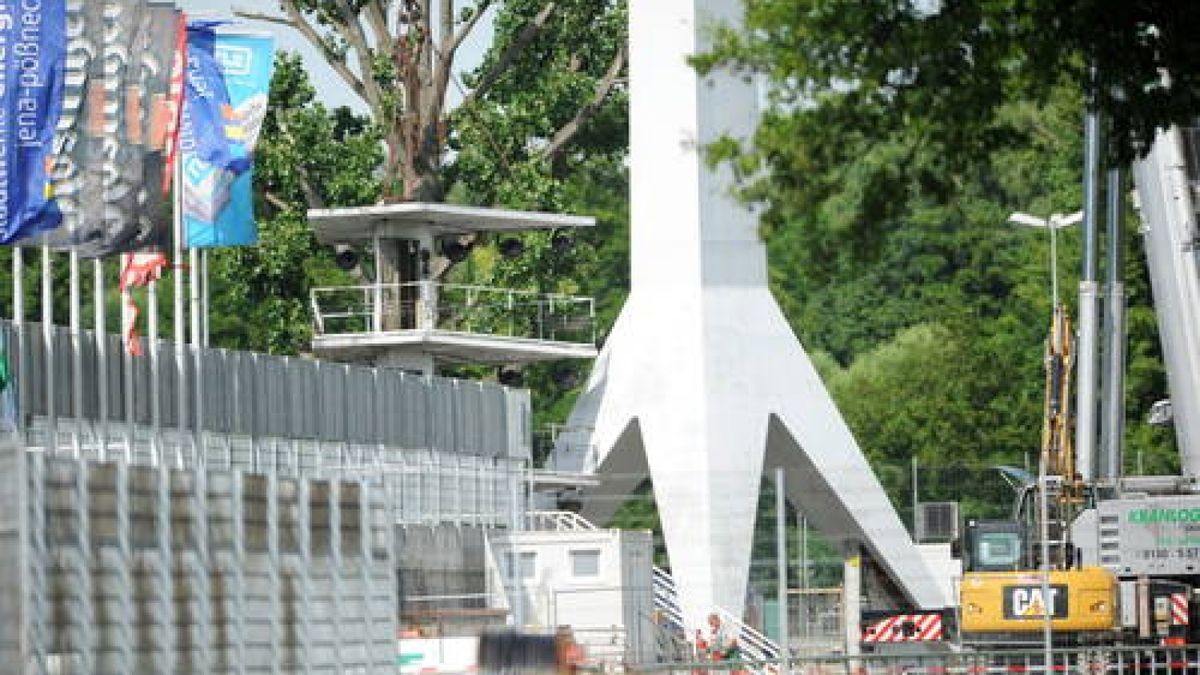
(177, 257)
(101, 356)
(197, 379)
(48, 343)
(197, 356)
(127, 362)
(76, 353)
(18, 269)
(155, 403)
(204, 296)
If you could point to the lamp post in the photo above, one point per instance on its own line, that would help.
(1053, 223)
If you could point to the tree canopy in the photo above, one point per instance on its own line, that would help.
(896, 140)
(955, 63)
(400, 59)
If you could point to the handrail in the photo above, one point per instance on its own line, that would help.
(560, 521)
(752, 643)
(370, 288)
(462, 308)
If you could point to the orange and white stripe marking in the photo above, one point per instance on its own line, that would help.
(1179, 609)
(905, 628)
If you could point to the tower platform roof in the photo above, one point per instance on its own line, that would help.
(362, 223)
(448, 347)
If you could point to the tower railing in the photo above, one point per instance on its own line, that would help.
(426, 305)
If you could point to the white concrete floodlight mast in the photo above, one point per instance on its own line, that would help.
(702, 384)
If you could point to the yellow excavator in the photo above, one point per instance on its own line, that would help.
(1014, 571)
(1117, 560)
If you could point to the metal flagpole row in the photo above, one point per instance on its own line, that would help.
(180, 335)
(127, 365)
(48, 339)
(198, 379)
(101, 357)
(18, 272)
(156, 441)
(76, 354)
(204, 297)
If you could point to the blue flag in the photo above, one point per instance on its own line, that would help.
(33, 43)
(209, 130)
(229, 76)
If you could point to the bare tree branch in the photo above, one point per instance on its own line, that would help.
(379, 27)
(442, 69)
(266, 18)
(426, 69)
(297, 22)
(276, 201)
(510, 54)
(585, 113)
(480, 9)
(354, 34)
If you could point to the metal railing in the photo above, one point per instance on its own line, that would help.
(1150, 660)
(815, 621)
(423, 486)
(753, 645)
(559, 521)
(259, 395)
(425, 305)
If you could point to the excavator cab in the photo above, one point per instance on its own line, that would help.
(995, 546)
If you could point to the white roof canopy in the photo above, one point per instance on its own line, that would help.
(408, 219)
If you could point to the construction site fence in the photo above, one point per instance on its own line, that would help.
(108, 568)
(64, 374)
(1113, 660)
(424, 487)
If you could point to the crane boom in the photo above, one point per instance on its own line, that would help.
(1166, 180)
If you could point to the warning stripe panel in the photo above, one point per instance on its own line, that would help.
(905, 628)
(1179, 609)
(876, 631)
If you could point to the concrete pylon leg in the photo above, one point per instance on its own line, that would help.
(852, 599)
(706, 484)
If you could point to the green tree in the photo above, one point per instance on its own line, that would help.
(897, 139)
(958, 62)
(542, 97)
(510, 150)
(399, 58)
(307, 155)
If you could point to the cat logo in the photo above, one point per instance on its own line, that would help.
(1029, 602)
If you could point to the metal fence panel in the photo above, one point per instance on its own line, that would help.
(121, 569)
(441, 414)
(256, 395)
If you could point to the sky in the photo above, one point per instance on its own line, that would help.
(330, 87)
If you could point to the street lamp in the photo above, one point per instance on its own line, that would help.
(1053, 223)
